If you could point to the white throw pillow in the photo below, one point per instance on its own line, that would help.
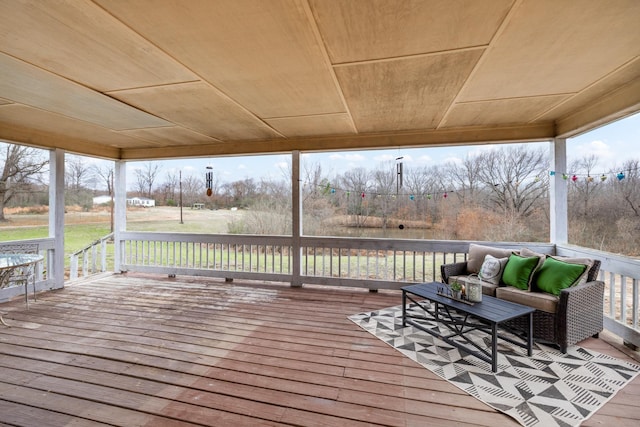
(492, 268)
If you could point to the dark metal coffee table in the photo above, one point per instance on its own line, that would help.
(460, 319)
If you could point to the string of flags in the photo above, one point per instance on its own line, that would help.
(591, 178)
(328, 189)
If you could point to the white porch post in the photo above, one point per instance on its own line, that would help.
(56, 217)
(120, 207)
(296, 218)
(558, 210)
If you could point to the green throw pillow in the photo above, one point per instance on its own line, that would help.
(556, 275)
(519, 271)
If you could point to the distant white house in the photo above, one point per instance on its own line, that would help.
(141, 201)
(101, 200)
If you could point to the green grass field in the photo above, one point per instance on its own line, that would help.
(76, 236)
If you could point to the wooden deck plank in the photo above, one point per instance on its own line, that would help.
(205, 352)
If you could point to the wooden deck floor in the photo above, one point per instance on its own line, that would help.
(136, 350)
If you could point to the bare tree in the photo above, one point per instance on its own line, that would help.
(105, 175)
(79, 179)
(146, 177)
(384, 181)
(465, 178)
(193, 190)
(629, 187)
(240, 193)
(79, 174)
(20, 166)
(356, 186)
(515, 178)
(169, 189)
(423, 183)
(583, 189)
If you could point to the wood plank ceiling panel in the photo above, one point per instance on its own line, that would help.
(201, 108)
(263, 54)
(82, 42)
(359, 30)
(502, 111)
(47, 129)
(404, 94)
(322, 124)
(624, 75)
(23, 83)
(550, 47)
(170, 135)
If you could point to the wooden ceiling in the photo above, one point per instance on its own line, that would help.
(150, 79)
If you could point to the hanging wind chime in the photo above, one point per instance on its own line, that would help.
(209, 180)
(399, 181)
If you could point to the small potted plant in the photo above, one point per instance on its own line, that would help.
(456, 289)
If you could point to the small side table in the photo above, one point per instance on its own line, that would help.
(9, 263)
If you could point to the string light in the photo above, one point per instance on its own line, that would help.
(365, 194)
(445, 194)
(603, 177)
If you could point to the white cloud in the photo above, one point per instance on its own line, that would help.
(242, 166)
(384, 158)
(452, 159)
(281, 165)
(603, 152)
(355, 157)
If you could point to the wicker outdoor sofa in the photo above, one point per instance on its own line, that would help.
(574, 314)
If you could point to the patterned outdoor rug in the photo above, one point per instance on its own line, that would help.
(547, 389)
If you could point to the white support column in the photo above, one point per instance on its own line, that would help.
(56, 217)
(296, 219)
(120, 207)
(558, 200)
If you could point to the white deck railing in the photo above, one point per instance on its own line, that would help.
(356, 262)
(92, 257)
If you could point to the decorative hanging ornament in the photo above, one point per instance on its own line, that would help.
(363, 194)
(574, 178)
(552, 173)
(620, 176)
(536, 179)
(603, 178)
(565, 176)
(589, 178)
(333, 191)
(445, 195)
(411, 197)
(428, 196)
(208, 177)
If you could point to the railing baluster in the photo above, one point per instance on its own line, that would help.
(635, 308)
(612, 295)
(623, 299)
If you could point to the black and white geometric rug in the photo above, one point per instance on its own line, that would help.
(547, 389)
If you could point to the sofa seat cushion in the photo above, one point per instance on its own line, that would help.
(477, 254)
(487, 288)
(538, 300)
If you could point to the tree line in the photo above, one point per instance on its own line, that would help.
(499, 195)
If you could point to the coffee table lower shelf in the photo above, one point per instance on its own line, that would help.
(460, 319)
